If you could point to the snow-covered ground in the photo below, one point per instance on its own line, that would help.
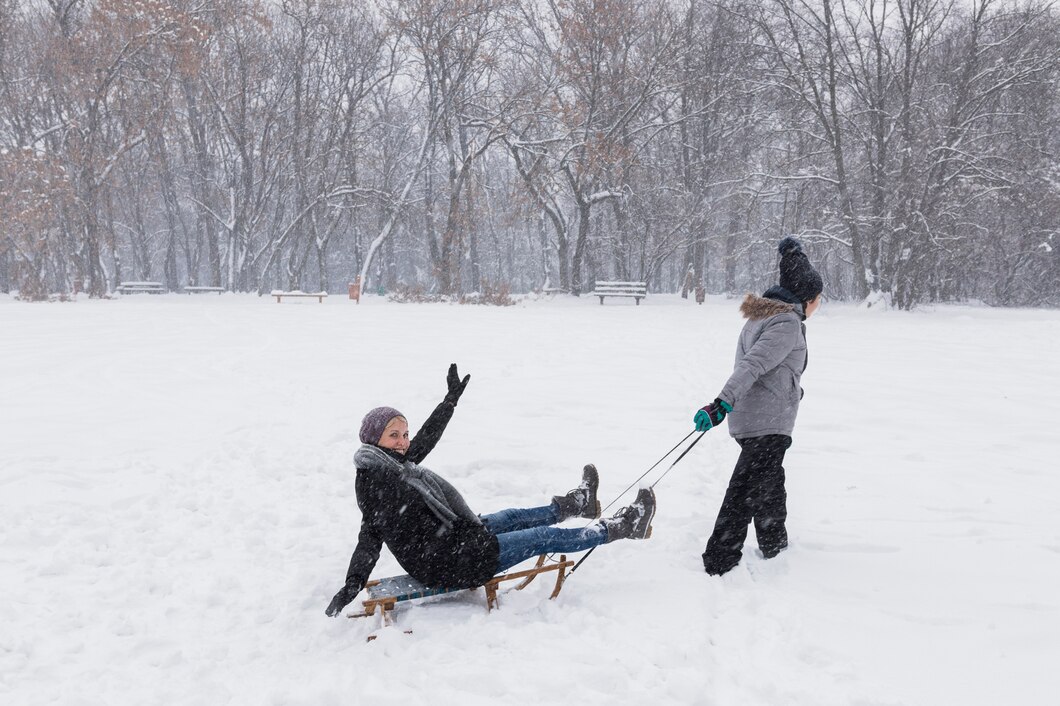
(177, 505)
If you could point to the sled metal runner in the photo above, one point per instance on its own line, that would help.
(384, 594)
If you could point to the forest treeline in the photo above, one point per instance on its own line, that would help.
(455, 146)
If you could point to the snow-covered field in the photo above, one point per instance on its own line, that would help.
(177, 505)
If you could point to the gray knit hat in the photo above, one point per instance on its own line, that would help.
(797, 275)
(374, 423)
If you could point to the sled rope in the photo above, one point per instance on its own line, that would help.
(658, 480)
(634, 483)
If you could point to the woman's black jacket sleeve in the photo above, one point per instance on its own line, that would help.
(430, 433)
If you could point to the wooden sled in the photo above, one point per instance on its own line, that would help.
(384, 594)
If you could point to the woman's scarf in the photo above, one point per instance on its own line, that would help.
(441, 497)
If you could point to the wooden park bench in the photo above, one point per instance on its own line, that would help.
(385, 594)
(140, 287)
(204, 290)
(637, 290)
(280, 295)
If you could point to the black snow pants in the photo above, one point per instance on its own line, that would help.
(756, 492)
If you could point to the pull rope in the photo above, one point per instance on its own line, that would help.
(683, 453)
(696, 441)
(630, 486)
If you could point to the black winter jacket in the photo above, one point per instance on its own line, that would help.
(393, 512)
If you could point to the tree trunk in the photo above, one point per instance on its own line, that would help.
(579, 247)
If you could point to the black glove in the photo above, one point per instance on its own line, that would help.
(456, 385)
(342, 599)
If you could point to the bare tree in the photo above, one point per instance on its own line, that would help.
(457, 145)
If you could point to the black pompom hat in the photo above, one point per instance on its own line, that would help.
(797, 275)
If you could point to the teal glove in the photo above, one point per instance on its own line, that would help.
(712, 415)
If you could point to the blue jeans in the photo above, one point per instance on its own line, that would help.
(524, 533)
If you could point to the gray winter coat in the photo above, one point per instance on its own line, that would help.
(764, 388)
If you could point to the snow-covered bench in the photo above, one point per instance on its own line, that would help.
(204, 290)
(637, 290)
(280, 295)
(138, 287)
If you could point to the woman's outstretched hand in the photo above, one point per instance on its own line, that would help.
(456, 385)
(343, 598)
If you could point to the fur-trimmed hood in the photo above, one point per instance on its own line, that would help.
(757, 308)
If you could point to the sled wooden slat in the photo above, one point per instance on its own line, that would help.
(526, 581)
(401, 588)
(561, 576)
(385, 594)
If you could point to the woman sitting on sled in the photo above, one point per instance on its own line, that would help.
(433, 533)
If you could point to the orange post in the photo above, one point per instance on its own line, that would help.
(355, 290)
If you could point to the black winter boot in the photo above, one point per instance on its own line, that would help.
(717, 566)
(581, 502)
(633, 522)
(771, 550)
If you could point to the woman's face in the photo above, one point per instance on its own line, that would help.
(396, 436)
(813, 306)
